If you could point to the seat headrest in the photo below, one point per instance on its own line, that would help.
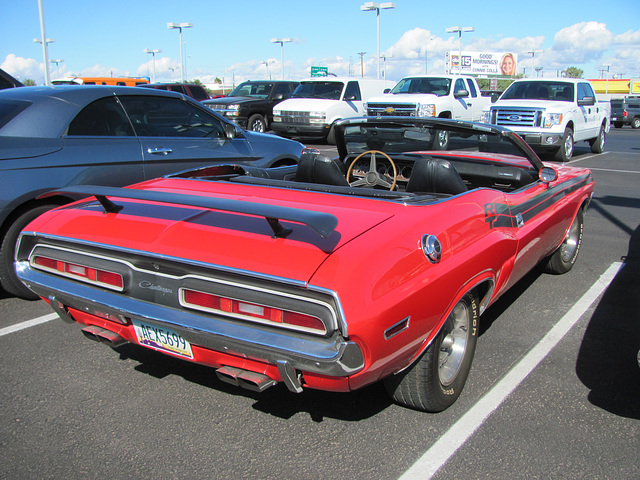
(318, 168)
(434, 175)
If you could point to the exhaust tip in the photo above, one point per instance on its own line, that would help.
(102, 335)
(253, 381)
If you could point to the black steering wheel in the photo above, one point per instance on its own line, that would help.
(373, 178)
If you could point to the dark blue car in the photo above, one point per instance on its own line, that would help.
(52, 137)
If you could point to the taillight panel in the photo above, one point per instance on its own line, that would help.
(83, 273)
(212, 303)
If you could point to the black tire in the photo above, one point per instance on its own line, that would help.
(256, 123)
(618, 124)
(635, 123)
(565, 152)
(597, 144)
(8, 277)
(436, 380)
(562, 260)
(331, 136)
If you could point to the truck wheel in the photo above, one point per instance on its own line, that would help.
(256, 123)
(441, 140)
(562, 260)
(436, 380)
(597, 144)
(635, 123)
(565, 152)
(8, 277)
(618, 124)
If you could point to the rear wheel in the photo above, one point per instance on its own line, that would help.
(618, 124)
(635, 123)
(436, 380)
(597, 144)
(8, 277)
(562, 260)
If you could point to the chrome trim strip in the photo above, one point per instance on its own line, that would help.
(339, 312)
(333, 356)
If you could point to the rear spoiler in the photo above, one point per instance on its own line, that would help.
(323, 223)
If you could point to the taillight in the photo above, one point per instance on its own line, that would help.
(83, 273)
(624, 114)
(209, 302)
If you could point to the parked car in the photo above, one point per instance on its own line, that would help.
(251, 103)
(332, 274)
(318, 103)
(192, 90)
(552, 114)
(626, 111)
(447, 96)
(52, 137)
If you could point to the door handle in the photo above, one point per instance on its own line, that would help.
(159, 151)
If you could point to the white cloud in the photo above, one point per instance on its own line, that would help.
(23, 68)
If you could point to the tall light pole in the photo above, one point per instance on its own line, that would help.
(369, 6)
(459, 31)
(57, 62)
(180, 26)
(153, 55)
(281, 41)
(44, 41)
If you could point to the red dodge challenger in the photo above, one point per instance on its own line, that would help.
(332, 274)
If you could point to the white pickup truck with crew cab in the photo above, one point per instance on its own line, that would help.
(552, 114)
(446, 96)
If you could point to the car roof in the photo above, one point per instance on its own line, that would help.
(52, 108)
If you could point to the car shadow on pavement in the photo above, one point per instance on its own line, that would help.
(277, 400)
(607, 360)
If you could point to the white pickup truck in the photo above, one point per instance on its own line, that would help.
(318, 103)
(446, 96)
(552, 114)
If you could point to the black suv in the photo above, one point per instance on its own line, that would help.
(250, 104)
(192, 90)
(626, 111)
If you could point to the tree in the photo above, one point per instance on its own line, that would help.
(28, 82)
(574, 72)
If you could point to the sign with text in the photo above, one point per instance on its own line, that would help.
(481, 63)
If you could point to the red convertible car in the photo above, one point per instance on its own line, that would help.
(333, 274)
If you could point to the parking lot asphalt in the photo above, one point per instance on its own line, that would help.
(76, 409)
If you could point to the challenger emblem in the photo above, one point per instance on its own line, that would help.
(152, 286)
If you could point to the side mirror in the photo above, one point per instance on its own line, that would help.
(230, 131)
(386, 90)
(586, 101)
(461, 93)
(350, 98)
(548, 174)
(278, 96)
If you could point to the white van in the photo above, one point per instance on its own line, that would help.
(318, 103)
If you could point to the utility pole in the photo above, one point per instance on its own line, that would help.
(362, 54)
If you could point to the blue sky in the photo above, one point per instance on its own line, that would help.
(232, 40)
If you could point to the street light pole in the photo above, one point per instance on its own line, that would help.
(369, 6)
(45, 49)
(153, 55)
(281, 41)
(57, 62)
(180, 26)
(459, 31)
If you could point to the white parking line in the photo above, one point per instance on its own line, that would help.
(440, 452)
(29, 323)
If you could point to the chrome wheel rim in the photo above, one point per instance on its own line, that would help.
(568, 146)
(454, 344)
(570, 243)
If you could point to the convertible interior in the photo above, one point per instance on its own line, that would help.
(407, 163)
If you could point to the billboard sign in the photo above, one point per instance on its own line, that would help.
(482, 63)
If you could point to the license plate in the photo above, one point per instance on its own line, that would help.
(162, 339)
